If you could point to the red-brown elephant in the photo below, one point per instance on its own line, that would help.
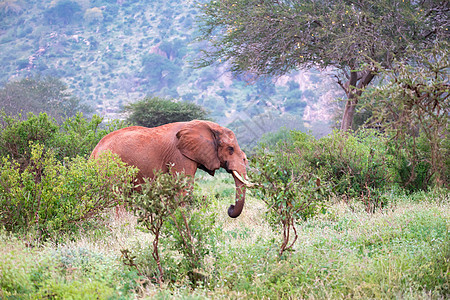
(185, 145)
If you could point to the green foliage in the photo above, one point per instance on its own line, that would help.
(159, 198)
(75, 136)
(16, 135)
(266, 38)
(40, 94)
(291, 192)
(189, 232)
(296, 178)
(155, 111)
(413, 169)
(62, 273)
(78, 135)
(52, 197)
(161, 202)
(64, 11)
(354, 165)
(412, 106)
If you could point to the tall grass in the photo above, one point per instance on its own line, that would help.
(402, 251)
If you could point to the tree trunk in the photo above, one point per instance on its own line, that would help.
(349, 112)
(353, 88)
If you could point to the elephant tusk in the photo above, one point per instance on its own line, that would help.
(244, 181)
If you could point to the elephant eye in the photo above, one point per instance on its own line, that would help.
(231, 149)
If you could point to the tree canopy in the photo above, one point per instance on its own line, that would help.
(412, 103)
(40, 94)
(63, 11)
(272, 38)
(155, 111)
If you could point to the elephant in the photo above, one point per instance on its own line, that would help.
(186, 146)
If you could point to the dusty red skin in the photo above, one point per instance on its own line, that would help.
(187, 146)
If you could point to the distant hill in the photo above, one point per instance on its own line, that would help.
(112, 52)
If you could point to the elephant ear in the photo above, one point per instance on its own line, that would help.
(198, 141)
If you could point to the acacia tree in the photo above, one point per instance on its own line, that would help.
(413, 105)
(40, 94)
(274, 37)
(156, 111)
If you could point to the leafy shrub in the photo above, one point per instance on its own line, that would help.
(155, 111)
(291, 192)
(16, 135)
(64, 11)
(412, 164)
(76, 135)
(79, 136)
(63, 273)
(38, 94)
(161, 202)
(412, 105)
(189, 235)
(50, 196)
(297, 177)
(354, 165)
(158, 199)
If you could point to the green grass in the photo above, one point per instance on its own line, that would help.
(72, 271)
(400, 252)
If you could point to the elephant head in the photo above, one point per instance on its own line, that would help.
(213, 147)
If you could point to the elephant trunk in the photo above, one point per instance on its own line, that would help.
(235, 210)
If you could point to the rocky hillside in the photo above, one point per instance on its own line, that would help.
(112, 52)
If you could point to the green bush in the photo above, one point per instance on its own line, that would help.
(412, 167)
(76, 135)
(414, 170)
(40, 94)
(161, 209)
(79, 136)
(354, 165)
(155, 111)
(62, 273)
(297, 175)
(51, 197)
(291, 192)
(16, 135)
(189, 235)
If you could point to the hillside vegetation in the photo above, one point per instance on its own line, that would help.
(336, 217)
(111, 53)
(400, 252)
(361, 214)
